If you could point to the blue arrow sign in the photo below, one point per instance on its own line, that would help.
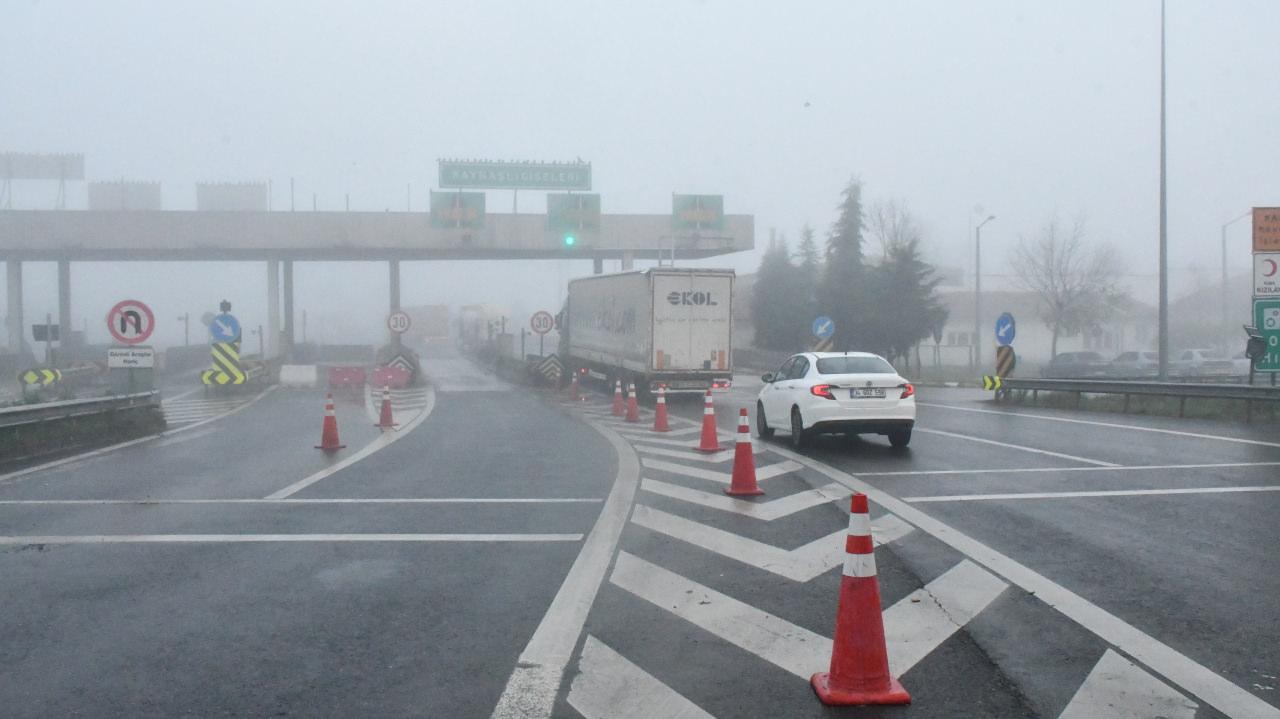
(823, 327)
(1006, 328)
(224, 328)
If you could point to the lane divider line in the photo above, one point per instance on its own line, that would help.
(1198, 680)
(531, 690)
(1097, 493)
(248, 538)
(382, 441)
(1124, 468)
(1019, 447)
(307, 501)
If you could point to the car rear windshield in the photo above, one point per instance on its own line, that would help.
(854, 365)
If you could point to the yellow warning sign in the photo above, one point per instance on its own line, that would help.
(990, 382)
(226, 365)
(44, 377)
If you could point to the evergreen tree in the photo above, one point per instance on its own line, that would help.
(807, 253)
(776, 300)
(842, 294)
(909, 308)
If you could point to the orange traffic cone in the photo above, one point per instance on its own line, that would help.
(859, 659)
(575, 391)
(633, 410)
(744, 463)
(660, 411)
(617, 398)
(709, 441)
(329, 433)
(384, 418)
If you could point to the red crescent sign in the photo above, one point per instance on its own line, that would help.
(1272, 273)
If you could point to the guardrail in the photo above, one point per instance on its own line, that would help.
(1128, 389)
(27, 414)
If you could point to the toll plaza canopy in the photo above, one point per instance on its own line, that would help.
(247, 235)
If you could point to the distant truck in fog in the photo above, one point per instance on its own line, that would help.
(669, 327)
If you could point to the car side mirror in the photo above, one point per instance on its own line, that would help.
(767, 377)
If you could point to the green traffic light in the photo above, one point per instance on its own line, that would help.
(569, 240)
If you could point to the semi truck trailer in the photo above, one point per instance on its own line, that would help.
(663, 327)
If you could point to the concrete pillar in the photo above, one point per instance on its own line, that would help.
(273, 308)
(64, 301)
(13, 307)
(628, 260)
(288, 308)
(394, 267)
(597, 266)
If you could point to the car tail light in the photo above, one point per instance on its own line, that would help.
(908, 390)
(821, 390)
(720, 384)
(582, 370)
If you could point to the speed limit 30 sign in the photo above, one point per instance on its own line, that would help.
(542, 322)
(399, 322)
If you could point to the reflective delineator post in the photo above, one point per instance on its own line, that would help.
(617, 398)
(859, 658)
(385, 420)
(710, 442)
(743, 483)
(633, 409)
(575, 391)
(660, 411)
(329, 432)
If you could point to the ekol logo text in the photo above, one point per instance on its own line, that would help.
(691, 298)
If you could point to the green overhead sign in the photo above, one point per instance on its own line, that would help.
(462, 210)
(1266, 317)
(490, 175)
(568, 214)
(695, 213)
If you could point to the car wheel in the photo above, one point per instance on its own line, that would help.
(900, 438)
(798, 436)
(762, 425)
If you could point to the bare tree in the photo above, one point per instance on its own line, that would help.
(1077, 283)
(892, 225)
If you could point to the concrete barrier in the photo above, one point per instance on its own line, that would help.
(298, 375)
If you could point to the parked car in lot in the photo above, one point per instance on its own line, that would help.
(1137, 364)
(836, 393)
(1073, 365)
(1202, 363)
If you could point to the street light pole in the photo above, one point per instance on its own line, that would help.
(1222, 328)
(1164, 223)
(977, 292)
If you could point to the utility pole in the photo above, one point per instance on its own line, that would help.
(977, 292)
(1164, 222)
(1222, 327)
(185, 319)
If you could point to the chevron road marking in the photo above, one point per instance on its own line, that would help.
(1119, 688)
(796, 649)
(724, 455)
(762, 473)
(611, 687)
(799, 565)
(657, 439)
(637, 434)
(767, 511)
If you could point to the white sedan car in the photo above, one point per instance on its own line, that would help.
(838, 393)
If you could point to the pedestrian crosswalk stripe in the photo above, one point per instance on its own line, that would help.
(611, 687)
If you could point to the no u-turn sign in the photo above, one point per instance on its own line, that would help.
(130, 322)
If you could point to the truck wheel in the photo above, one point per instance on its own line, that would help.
(762, 424)
(798, 436)
(900, 438)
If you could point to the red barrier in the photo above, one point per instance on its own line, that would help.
(391, 376)
(346, 378)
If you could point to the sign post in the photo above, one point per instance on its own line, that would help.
(542, 322)
(398, 322)
(823, 329)
(130, 367)
(1266, 288)
(1266, 317)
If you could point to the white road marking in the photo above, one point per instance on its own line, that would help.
(924, 619)
(762, 473)
(656, 439)
(1098, 493)
(1195, 678)
(1019, 447)
(1111, 425)
(767, 511)
(637, 434)
(531, 690)
(1122, 468)
(724, 455)
(799, 565)
(1121, 689)
(244, 538)
(130, 443)
(305, 501)
(611, 687)
(382, 441)
(796, 649)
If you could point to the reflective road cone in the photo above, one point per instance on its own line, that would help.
(859, 659)
(617, 398)
(710, 442)
(633, 410)
(660, 411)
(329, 434)
(384, 418)
(575, 391)
(744, 463)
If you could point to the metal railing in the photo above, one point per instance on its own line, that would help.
(29, 414)
(1128, 389)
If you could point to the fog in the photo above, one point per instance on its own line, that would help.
(1024, 109)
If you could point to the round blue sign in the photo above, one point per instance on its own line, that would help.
(1006, 328)
(224, 328)
(823, 327)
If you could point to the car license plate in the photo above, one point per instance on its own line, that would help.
(867, 393)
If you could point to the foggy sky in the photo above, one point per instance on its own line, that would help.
(1023, 108)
